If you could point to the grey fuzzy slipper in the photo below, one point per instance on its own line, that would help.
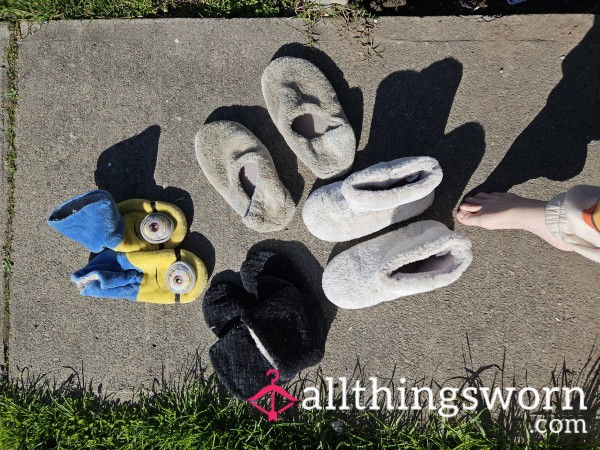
(372, 199)
(241, 169)
(305, 109)
(418, 258)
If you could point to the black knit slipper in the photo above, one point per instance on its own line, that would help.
(239, 364)
(223, 306)
(288, 330)
(266, 264)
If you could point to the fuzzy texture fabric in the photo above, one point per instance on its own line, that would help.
(138, 276)
(305, 109)
(96, 222)
(372, 199)
(273, 326)
(223, 306)
(239, 364)
(420, 257)
(265, 271)
(574, 218)
(134, 211)
(289, 329)
(91, 219)
(240, 168)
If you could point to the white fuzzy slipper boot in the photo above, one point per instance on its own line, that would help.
(372, 199)
(420, 257)
(305, 109)
(240, 168)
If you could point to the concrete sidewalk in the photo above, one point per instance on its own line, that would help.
(116, 104)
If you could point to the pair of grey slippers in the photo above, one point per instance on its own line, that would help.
(418, 258)
(305, 109)
(270, 322)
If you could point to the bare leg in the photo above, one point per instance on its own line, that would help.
(506, 211)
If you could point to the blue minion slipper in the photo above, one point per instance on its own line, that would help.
(95, 221)
(160, 276)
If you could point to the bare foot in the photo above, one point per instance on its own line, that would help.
(506, 211)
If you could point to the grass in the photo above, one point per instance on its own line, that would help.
(194, 413)
(10, 165)
(356, 22)
(42, 10)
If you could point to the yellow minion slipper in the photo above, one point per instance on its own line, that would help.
(95, 221)
(159, 276)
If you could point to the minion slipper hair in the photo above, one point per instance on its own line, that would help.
(420, 257)
(305, 109)
(95, 221)
(240, 168)
(161, 276)
(372, 199)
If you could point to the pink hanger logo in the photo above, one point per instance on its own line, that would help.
(272, 390)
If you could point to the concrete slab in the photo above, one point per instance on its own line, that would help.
(116, 104)
(4, 39)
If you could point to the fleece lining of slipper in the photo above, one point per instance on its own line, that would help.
(418, 258)
(390, 184)
(305, 109)
(372, 199)
(241, 169)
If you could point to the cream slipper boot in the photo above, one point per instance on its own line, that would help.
(372, 199)
(420, 257)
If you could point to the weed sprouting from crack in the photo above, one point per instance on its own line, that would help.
(355, 20)
(10, 165)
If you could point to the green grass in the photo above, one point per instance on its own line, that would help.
(194, 413)
(11, 97)
(41, 10)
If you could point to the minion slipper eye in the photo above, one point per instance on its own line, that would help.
(157, 228)
(180, 278)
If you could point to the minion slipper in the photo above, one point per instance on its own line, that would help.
(95, 221)
(372, 199)
(304, 107)
(159, 276)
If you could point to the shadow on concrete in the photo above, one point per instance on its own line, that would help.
(351, 99)
(554, 144)
(258, 121)
(126, 170)
(409, 119)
